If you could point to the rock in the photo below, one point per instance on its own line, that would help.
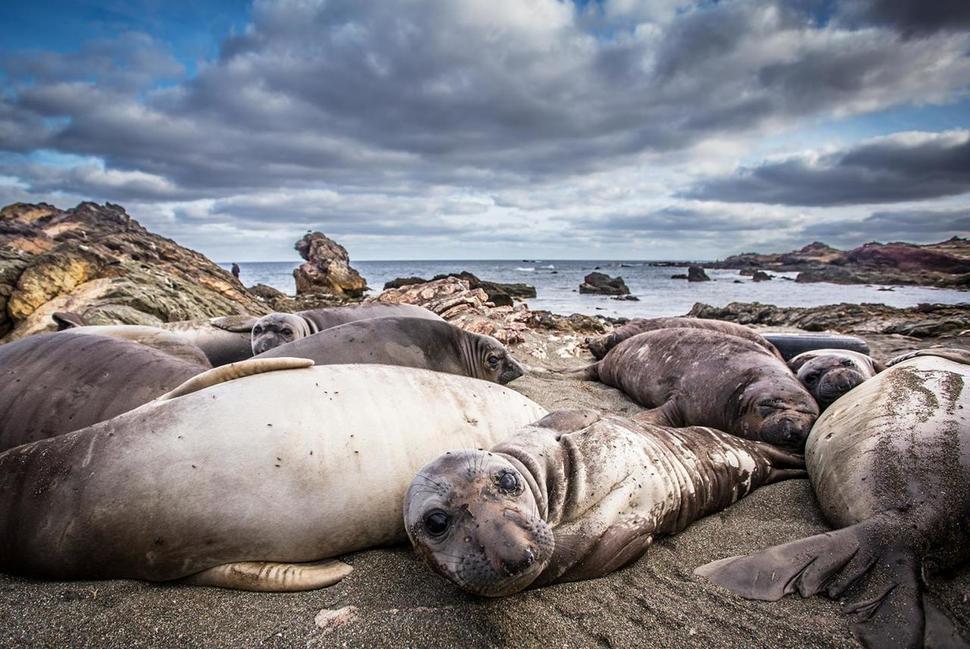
(330, 619)
(697, 274)
(760, 276)
(448, 297)
(98, 262)
(925, 320)
(398, 282)
(265, 292)
(498, 294)
(603, 284)
(327, 268)
(627, 298)
(679, 276)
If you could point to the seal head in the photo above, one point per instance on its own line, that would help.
(768, 413)
(277, 329)
(830, 373)
(473, 516)
(488, 359)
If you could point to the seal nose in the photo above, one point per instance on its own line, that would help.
(836, 383)
(513, 370)
(516, 567)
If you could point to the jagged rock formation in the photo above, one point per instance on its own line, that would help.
(925, 320)
(944, 264)
(498, 294)
(99, 262)
(603, 284)
(326, 269)
(697, 274)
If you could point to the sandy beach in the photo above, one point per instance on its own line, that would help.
(395, 601)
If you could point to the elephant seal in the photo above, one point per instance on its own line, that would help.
(890, 466)
(576, 496)
(410, 342)
(601, 345)
(221, 481)
(278, 329)
(693, 377)
(54, 383)
(830, 373)
(222, 340)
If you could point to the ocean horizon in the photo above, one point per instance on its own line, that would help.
(557, 284)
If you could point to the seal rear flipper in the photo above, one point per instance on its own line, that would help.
(67, 320)
(234, 371)
(234, 323)
(272, 577)
(588, 373)
(882, 580)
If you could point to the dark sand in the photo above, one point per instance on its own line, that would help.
(657, 602)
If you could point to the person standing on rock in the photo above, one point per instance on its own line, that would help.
(235, 270)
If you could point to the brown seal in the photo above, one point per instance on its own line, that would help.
(830, 373)
(54, 383)
(576, 496)
(601, 345)
(890, 466)
(692, 377)
(409, 342)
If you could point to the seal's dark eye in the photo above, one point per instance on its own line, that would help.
(436, 522)
(812, 378)
(507, 482)
(287, 332)
(257, 330)
(492, 360)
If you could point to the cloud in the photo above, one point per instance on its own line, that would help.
(919, 226)
(897, 168)
(910, 17)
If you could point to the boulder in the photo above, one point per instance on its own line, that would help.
(326, 269)
(398, 282)
(603, 284)
(760, 276)
(697, 274)
(498, 294)
(97, 261)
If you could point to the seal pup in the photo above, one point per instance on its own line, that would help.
(54, 383)
(410, 342)
(600, 345)
(576, 496)
(830, 373)
(277, 329)
(693, 377)
(243, 467)
(890, 466)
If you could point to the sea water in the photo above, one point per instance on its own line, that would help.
(557, 285)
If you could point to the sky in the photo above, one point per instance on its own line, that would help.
(495, 129)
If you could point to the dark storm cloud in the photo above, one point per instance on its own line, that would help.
(476, 94)
(905, 167)
(907, 225)
(910, 17)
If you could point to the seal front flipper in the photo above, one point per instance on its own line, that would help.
(661, 416)
(881, 580)
(234, 323)
(272, 577)
(234, 371)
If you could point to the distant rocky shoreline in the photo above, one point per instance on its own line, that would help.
(100, 263)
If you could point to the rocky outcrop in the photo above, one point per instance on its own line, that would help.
(945, 264)
(760, 276)
(326, 269)
(498, 294)
(603, 284)
(99, 262)
(925, 320)
(697, 274)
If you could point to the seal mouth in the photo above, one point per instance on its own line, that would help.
(835, 384)
(511, 371)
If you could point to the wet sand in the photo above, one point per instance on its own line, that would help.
(397, 602)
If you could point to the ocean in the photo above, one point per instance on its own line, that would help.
(557, 283)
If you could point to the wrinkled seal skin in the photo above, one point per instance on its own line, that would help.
(830, 373)
(890, 465)
(576, 496)
(601, 345)
(54, 383)
(277, 329)
(410, 342)
(290, 465)
(692, 377)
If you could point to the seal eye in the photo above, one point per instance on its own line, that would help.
(812, 378)
(287, 332)
(257, 329)
(507, 482)
(492, 360)
(436, 522)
